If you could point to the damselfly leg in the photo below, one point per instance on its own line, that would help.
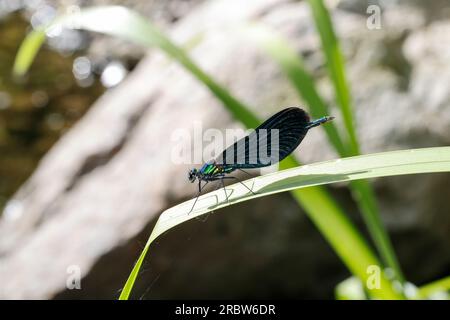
(200, 188)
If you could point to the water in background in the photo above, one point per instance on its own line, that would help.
(63, 82)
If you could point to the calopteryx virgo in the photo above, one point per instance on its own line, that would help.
(268, 144)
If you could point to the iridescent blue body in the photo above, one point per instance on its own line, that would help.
(213, 169)
(210, 171)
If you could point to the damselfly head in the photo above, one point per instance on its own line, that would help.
(192, 175)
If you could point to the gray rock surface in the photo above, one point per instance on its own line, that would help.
(95, 196)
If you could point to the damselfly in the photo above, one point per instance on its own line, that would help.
(268, 144)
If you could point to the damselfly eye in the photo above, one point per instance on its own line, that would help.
(192, 175)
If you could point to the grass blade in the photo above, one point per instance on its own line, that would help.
(362, 191)
(335, 64)
(414, 161)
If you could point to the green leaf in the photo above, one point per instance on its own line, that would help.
(360, 167)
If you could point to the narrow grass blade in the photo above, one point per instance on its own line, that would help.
(28, 49)
(365, 197)
(335, 64)
(361, 190)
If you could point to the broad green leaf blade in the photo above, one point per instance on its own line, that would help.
(386, 164)
(413, 161)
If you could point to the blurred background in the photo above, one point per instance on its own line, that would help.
(85, 145)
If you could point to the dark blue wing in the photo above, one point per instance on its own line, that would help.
(269, 143)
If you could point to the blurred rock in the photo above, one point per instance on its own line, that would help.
(95, 196)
